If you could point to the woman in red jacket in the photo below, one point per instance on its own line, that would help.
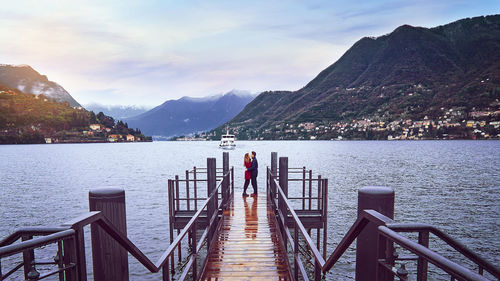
(248, 174)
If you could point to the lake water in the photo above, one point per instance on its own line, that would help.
(454, 185)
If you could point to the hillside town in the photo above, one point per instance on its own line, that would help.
(454, 123)
(100, 133)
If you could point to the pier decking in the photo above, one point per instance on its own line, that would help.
(248, 245)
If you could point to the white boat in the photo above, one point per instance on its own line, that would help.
(227, 141)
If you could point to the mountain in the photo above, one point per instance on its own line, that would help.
(29, 81)
(118, 112)
(411, 73)
(28, 118)
(190, 115)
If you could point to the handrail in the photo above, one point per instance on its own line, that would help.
(34, 231)
(438, 260)
(389, 229)
(10, 250)
(161, 261)
(68, 229)
(308, 238)
(366, 217)
(459, 247)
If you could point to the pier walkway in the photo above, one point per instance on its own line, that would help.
(248, 244)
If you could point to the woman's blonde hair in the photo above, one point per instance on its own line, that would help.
(247, 159)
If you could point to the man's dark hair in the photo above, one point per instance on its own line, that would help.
(254, 153)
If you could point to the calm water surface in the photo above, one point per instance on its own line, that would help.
(452, 184)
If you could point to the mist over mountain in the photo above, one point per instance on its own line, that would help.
(118, 112)
(190, 115)
(411, 73)
(29, 81)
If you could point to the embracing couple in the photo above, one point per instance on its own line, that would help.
(251, 171)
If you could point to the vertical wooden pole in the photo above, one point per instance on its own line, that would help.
(177, 197)
(310, 188)
(295, 252)
(165, 272)
(187, 191)
(303, 188)
(274, 172)
(28, 257)
(325, 215)
(212, 206)
(179, 248)
(380, 199)
(284, 174)
(225, 178)
(80, 252)
(69, 257)
(171, 218)
(318, 237)
(59, 260)
(232, 180)
(110, 260)
(319, 192)
(422, 265)
(195, 190)
(195, 253)
(283, 171)
(317, 271)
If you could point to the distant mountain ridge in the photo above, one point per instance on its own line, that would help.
(118, 112)
(190, 115)
(412, 72)
(29, 81)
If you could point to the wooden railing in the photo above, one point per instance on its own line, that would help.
(71, 259)
(387, 235)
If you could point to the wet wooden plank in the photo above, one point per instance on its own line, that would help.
(248, 245)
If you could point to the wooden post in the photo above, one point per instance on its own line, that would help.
(194, 245)
(225, 178)
(171, 214)
(274, 171)
(281, 203)
(319, 193)
(295, 252)
(380, 199)
(195, 190)
(187, 191)
(28, 257)
(325, 215)
(80, 253)
(177, 196)
(310, 189)
(110, 260)
(69, 257)
(232, 180)
(212, 206)
(422, 266)
(303, 188)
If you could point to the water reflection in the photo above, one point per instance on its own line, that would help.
(251, 218)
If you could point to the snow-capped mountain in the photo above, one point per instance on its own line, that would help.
(119, 112)
(189, 115)
(29, 81)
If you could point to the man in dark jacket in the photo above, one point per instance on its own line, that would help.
(254, 169)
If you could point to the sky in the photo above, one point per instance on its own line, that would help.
(129, 52)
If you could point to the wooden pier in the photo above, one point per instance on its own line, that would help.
(248, 244)
(216, 234)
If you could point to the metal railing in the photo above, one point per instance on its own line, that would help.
(387, 235)
(71, 259)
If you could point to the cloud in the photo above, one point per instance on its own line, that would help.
(145, 52)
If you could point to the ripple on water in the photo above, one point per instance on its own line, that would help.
(452, 184)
